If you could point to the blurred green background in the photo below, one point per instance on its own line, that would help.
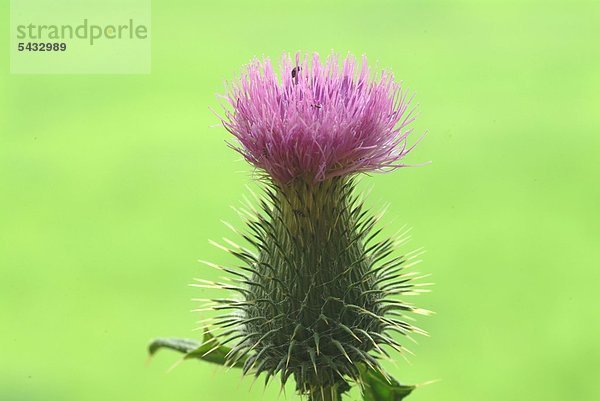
(112, 185)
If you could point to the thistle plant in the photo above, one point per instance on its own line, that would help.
(317, 294)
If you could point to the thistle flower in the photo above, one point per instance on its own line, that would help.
(318, 121)
(315, 289)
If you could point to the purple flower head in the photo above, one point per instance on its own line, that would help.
(317, 120)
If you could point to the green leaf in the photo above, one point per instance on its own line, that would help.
(208, 350)
(376, 387)
(183, 345)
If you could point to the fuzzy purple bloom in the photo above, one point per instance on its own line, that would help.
(318, 121)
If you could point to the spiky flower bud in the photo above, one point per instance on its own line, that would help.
(315, 295)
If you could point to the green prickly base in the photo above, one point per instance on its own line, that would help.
(315, 299)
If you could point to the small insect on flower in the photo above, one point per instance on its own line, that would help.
(295, 72)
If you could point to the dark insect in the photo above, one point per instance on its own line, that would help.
(295, 73)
